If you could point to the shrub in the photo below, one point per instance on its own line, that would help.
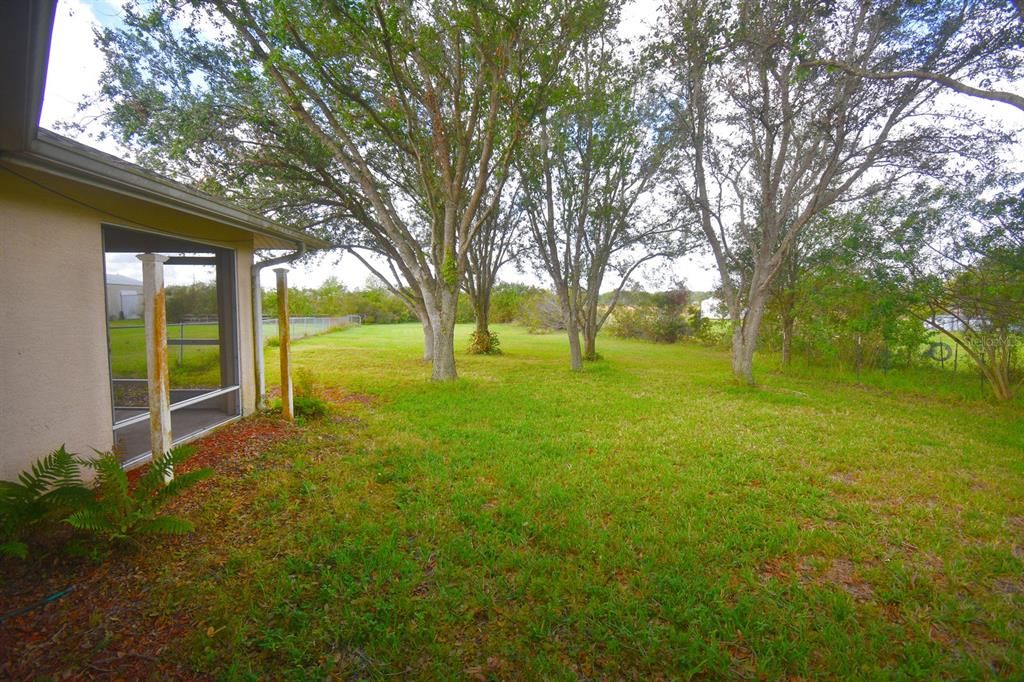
(541, 313)
(659, 319)
(50, 490)
(309, 407)
(650, 324)
(307, 384)
(118, 511)
(508, 300)
(484, 343)
(305, 407)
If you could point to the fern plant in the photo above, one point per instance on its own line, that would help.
(119, 512)
(50, 488)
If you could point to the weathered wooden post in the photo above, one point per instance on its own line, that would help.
(285, 337)
(158, 377)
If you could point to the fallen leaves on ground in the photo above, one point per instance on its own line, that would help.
(104, 625)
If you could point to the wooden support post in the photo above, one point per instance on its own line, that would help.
(158, 377)
(285, 337)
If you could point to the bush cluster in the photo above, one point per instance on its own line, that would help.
(308, 400)
(540, 312)
(374, 302)
(661, 320)
(484, 343)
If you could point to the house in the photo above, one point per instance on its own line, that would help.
(65, 208)
(124, 298)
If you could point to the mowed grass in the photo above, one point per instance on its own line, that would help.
(188, 366)
(646, 518)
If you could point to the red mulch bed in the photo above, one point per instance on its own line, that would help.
(105, 627)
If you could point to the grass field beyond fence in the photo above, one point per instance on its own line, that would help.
(646, 518)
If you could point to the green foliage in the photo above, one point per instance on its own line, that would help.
(309, 407)
(52, 486)
(649, 324)
(464, 310)
(540, 312)
(308, 401)
(374, 302)
(662, 320)
(306, 383)
(52, 490)
(484, 343)
(508, 300)
(119, 511)
(304, 407)
(847, 316)
(199, 298)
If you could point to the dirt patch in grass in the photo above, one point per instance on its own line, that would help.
(78, 618)
(816, 571)
(341, 397)
(1009, 586)
(844, 477)
(843, 573)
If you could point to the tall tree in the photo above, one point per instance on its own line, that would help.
(499, 244)
(766, 145)
(396, 120)
(589, 176)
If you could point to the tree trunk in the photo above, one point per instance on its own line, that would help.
(589, 344)
(742, 357)
(995, 366)
(572, 328)
(575, 355)
(590, 331)
(428, 338)
(787, 338)
(744, 341)
(443, 323)
(481, 305)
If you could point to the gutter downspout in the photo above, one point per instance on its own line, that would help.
(257, 317)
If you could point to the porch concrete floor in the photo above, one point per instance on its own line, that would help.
(133, 440)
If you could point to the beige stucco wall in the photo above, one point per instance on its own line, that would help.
(54, 371)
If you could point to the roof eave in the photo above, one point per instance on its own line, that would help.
(56, 155)
(25, 28)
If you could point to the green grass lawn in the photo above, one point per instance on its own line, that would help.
(646, 518)
(188, 366)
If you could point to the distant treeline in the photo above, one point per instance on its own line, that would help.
(656, 316)
(376, 303)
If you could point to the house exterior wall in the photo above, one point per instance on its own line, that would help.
(54, 370)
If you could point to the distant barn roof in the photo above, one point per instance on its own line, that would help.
(121, 279)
